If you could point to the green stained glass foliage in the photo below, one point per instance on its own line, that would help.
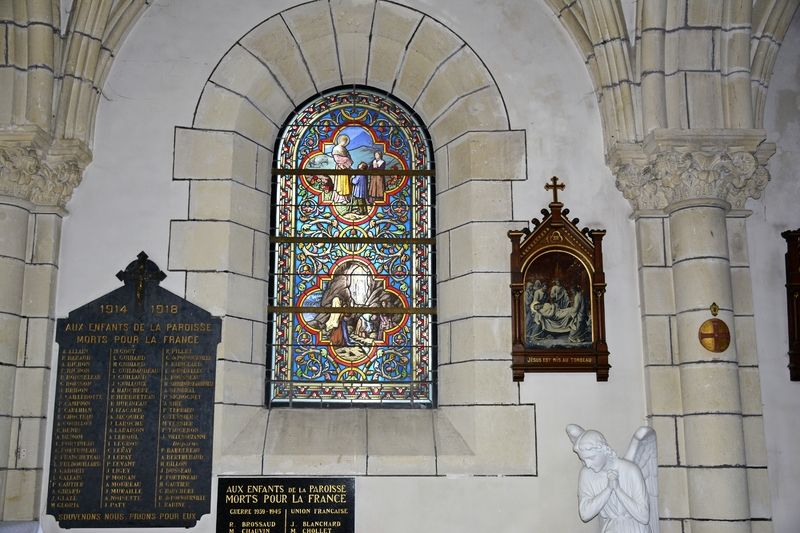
(352, 303)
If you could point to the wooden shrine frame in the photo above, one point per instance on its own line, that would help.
(793, 300)
(557, 296)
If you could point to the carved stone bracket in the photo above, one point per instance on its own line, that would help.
(671, 166)
(44, 176)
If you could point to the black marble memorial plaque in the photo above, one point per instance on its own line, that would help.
(286, 505)
(134, 408)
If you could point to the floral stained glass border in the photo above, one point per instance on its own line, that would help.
(352, 289)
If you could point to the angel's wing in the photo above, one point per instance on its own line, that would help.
(643, 452)
(574, 432)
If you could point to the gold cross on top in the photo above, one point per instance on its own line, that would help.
(555, 187)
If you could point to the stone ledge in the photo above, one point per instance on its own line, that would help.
(400, 442)
(468, 440)
(316, 441)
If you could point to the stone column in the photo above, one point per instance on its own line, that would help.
(14, 218)
(712, 410)
(682, 185)
(36, 180)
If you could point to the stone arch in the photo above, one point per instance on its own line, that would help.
(95, 32)
(770, 23)
(315, 46)
(599, 32)
(226, 156)
(631, 91)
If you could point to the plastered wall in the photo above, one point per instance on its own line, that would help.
(774, 213)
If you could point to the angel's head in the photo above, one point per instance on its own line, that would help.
(591, 447)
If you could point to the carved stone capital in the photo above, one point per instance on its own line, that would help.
(45, 177)
(674, 166)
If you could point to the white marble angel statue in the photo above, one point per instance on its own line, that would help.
(623, 491)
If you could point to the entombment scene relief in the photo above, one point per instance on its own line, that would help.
(557, 303)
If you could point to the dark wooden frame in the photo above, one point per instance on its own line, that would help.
(793, 300)
(557, 234)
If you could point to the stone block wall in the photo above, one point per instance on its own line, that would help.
(222, 245)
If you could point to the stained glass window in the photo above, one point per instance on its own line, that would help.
(352, 284)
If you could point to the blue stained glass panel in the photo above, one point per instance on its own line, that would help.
(352, 294)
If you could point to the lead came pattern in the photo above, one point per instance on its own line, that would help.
(352, 291)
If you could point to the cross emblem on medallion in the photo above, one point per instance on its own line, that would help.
(714, 335)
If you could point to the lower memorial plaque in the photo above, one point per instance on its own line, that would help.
(133, 422)
(285, 505)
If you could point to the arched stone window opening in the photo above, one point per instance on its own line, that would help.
(352, 312)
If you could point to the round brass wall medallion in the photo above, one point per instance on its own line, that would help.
(714, 335)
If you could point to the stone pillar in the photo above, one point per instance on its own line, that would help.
(682, 185)
(714, 450)
(36, 180)
(14, 218)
